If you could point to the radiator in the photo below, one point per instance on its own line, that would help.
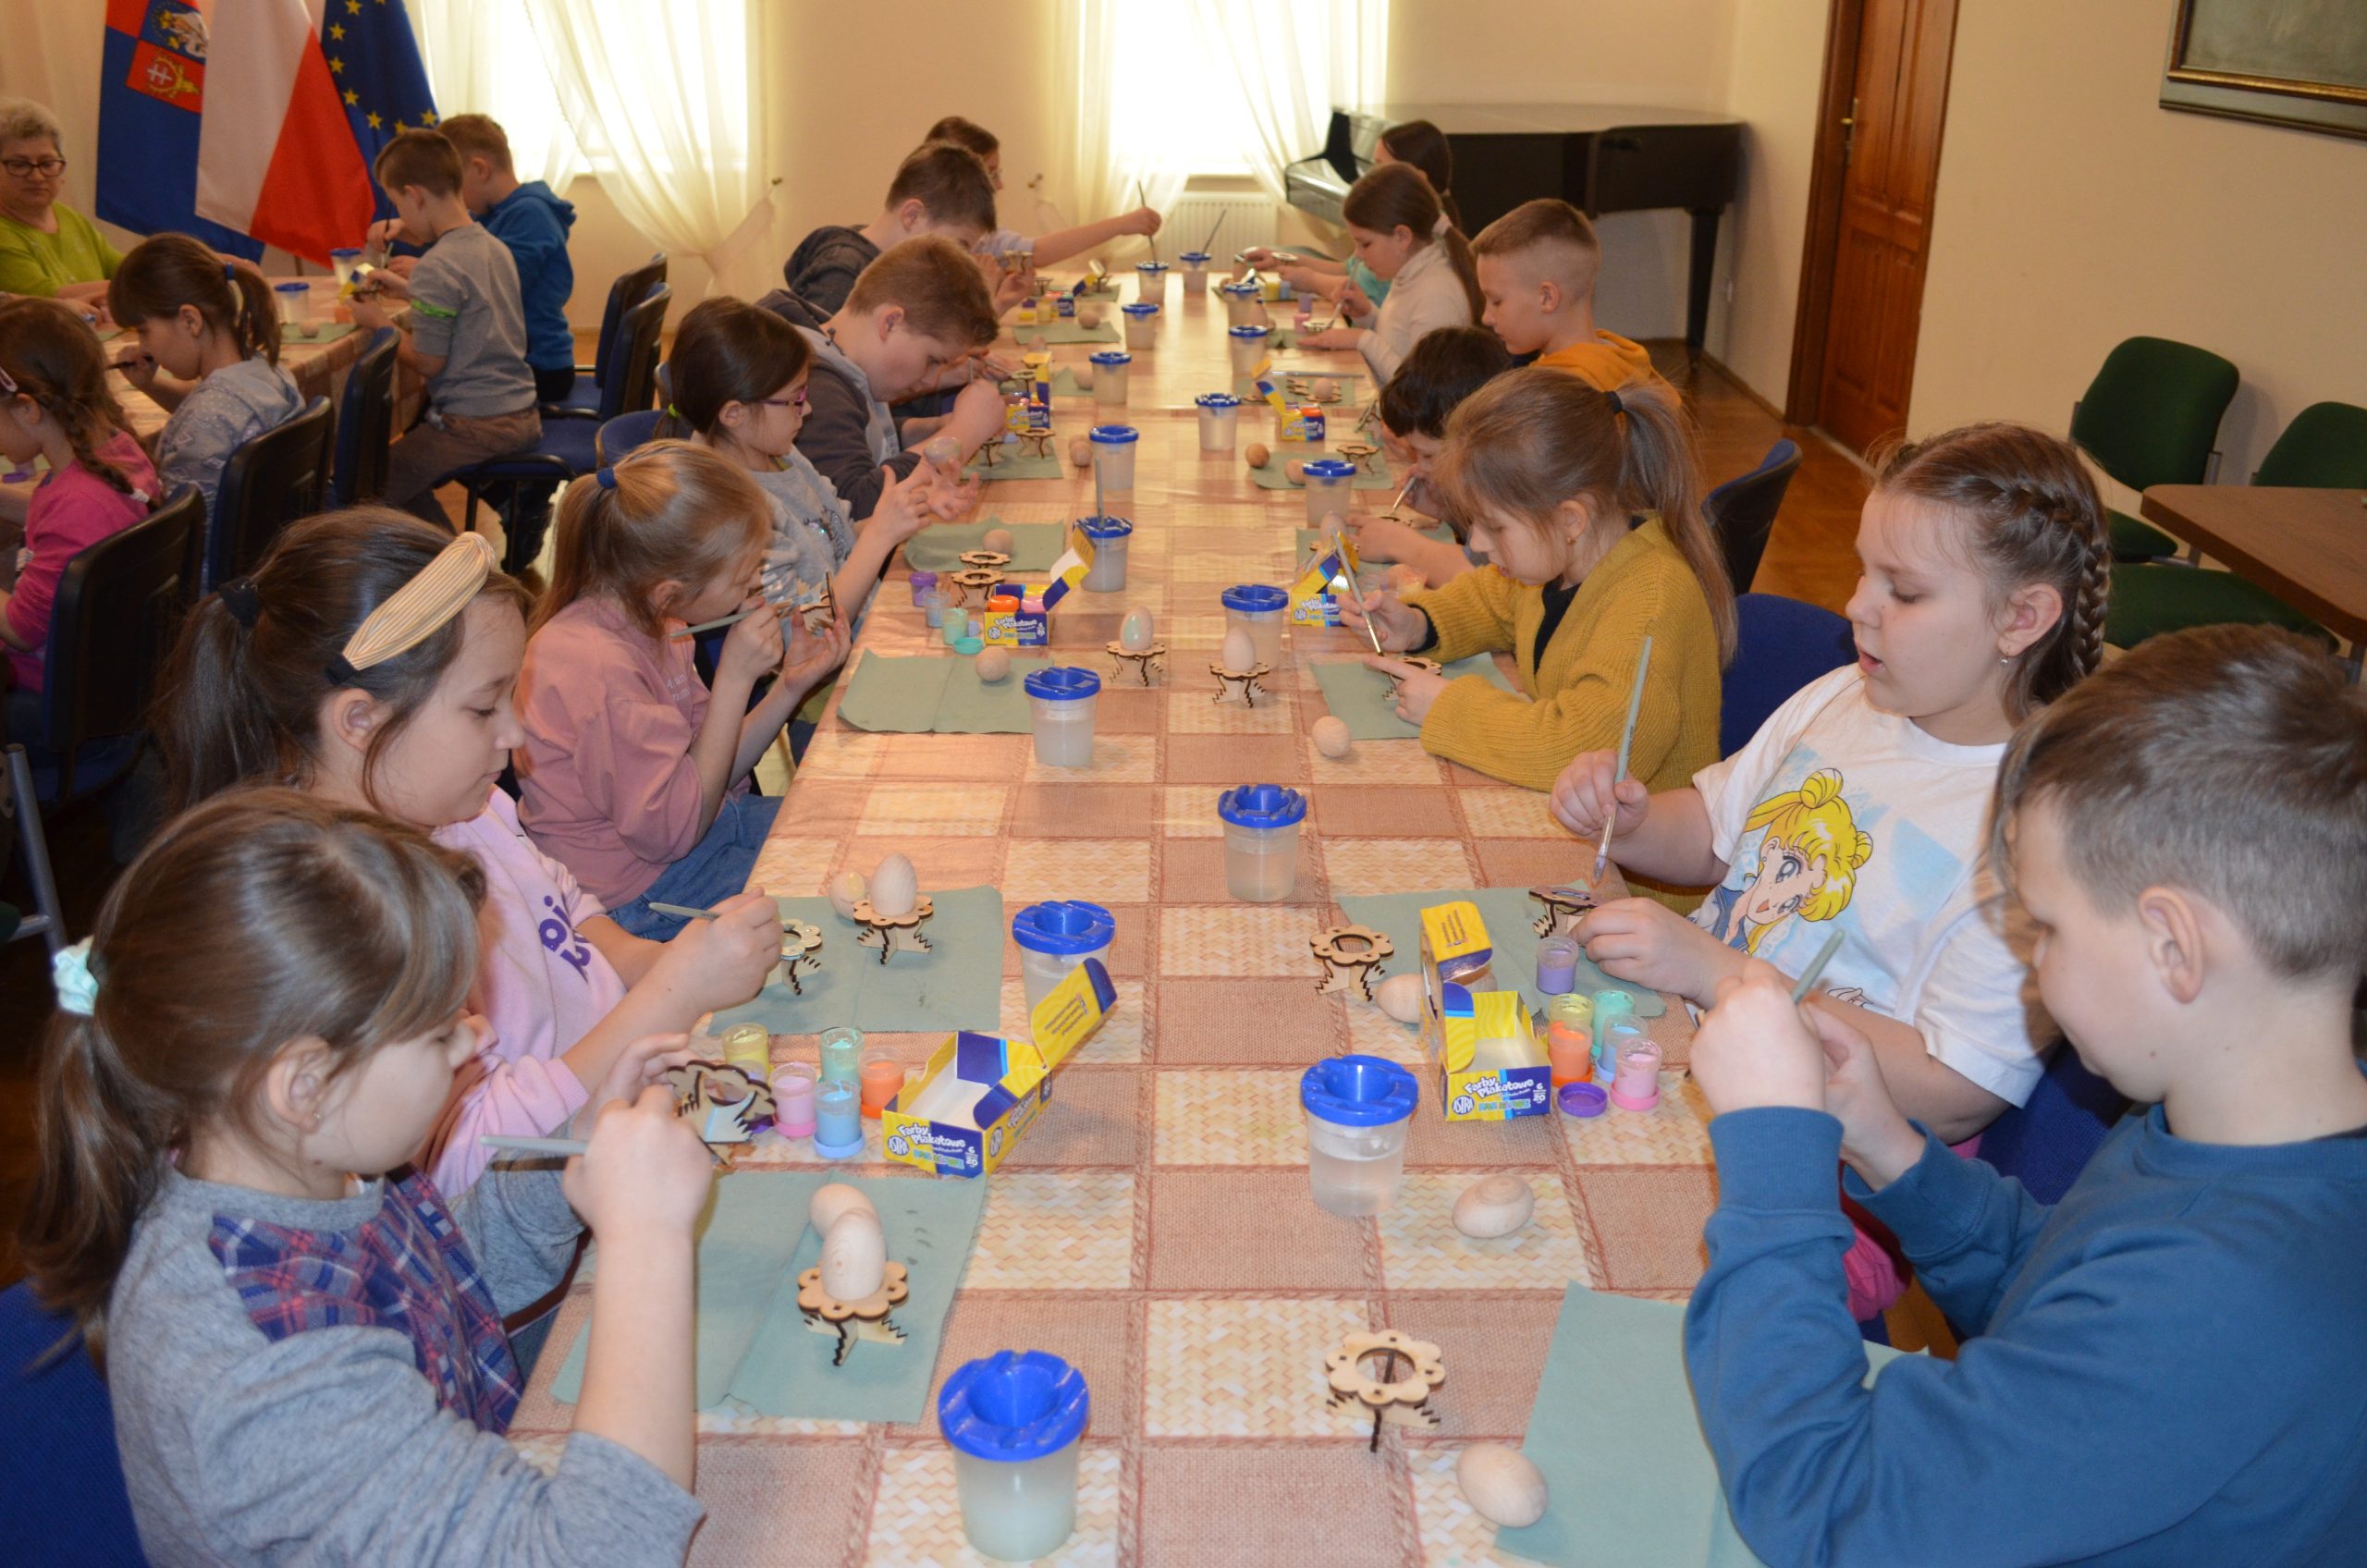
(1240, 220)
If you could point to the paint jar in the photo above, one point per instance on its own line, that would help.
(1111, 536)
(955, 625)
(1572, 1009)
(1054, 937)
(749, 1047)
(793, 1100)
(933, 607)
(1193, 268)
(1328, 482)
(1110, 379)
(923, 581)
(1241, 306)
(1248, 347)
(1063, 698)
(1557, 966)
(1569, 1053)
(1261, 611)
(1013, 1420)
(1113, 448)
(1150, 282)
(1358, 1110)
(841, 1055)
(295, 302)
(1637, 1084)
(838, 1121)
(1614, 1015)
(1261, 823)
(1219, 421)
(883, 1079)
(1142, 325)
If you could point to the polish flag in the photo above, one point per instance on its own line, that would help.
(276, 156)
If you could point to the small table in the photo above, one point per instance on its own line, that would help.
(2309, 548)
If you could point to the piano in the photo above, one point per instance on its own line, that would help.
(1599, 158)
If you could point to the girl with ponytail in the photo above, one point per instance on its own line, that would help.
(1589, 507)
(309, 1358)
(55, 405)
(1405, 238)
(209, 353)
(1984, 562)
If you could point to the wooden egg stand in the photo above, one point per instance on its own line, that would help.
(893, 933)
(1142, 660)
(1564, 907)
(1350, 956)
(852, 1320)
(1243, 682)
(981, 571)
(1427, 667)
(800, 944)
(1394, 1401)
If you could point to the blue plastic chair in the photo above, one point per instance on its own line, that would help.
(62, 1497)
(366, 424)
(1781, 645)
(625, 431)
(629, 289)
(1742, 511)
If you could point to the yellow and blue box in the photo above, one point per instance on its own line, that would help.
(1481, 1043)
(1022, 628)
(1314, 598)
(980, 1093)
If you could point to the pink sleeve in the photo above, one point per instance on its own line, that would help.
(632, 761)
(35, 594)
(529, 1097)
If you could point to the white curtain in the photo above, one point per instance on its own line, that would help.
(481, 58)
(1290, 62)
(667, 103)
(1111, 166)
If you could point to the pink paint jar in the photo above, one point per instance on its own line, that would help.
(1637, 1086)
(793, 1100)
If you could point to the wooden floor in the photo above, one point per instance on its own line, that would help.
(1807, 558)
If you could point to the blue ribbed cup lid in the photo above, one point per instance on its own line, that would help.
(1254, 598)
(1140, 308)
(1150, 266)
(291, 287)
(1063, 927)
(1359, 1091)
(1013, 1405)
(1250, 331)
(1261, 805)
(1114, 356)
(1062, 683)
(1105, 527)
(1188, 257)
(1113, 435)
(1240, 288)
(1328, 468)
(1218, 400)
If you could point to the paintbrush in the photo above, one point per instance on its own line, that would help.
(682, 912)
(1212, 234)
(1143, 191)
(560, 1147)
(727, 620)
(1627, 741)
(1815, 970)
(1404, 491)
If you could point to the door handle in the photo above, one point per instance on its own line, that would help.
(1849, 130)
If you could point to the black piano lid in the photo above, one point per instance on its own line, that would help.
(1497, 119)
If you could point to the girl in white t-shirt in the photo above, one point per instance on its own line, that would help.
(1860, 805)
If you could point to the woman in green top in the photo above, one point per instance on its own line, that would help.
(46, 247)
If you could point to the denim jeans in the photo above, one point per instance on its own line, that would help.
(717, 867)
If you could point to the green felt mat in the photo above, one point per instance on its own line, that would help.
(1062, 330)
(1011, 463)
(751, 1343)
(1361, 696)
(1628, 1475)
(932, 694)
(956, 984)
(940, 547)
(1271, 476)
(1510, 914)
(319, 332)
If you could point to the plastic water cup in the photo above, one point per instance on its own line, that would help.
(1013, 1420)
(1248, 345)
(1110, 379)
(1241, 304)
(1150, 282)
(341, 265)
(1261, 825)
(1219, 421)
(1111, 536)
(1142, 325)
(1358, 1110)
(1113, 448)
(1055, 936)
(1063, 698)
(1261, 610)
(295, 302)
(1328, 482)
(1193, 268)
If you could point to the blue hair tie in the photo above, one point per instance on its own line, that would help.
(1617, 408)
(607, 478)
(230, 271)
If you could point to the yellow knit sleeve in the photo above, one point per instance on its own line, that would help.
(1471, 615)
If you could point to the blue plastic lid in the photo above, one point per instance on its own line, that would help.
(1114, 435)
(1241, 287)
(1114, 356)
(924, 580)
(1140, 308)
(1105, 527)
(1261, 805)
(1254, 598)
(1190, 256)
(1013, 1405)
(292, 287)
(345, 251)
(1249, 331)
(1218, 400)
(1328, 468)
(1062, 683)
(1063, 927)
(1150, 266)
(1359, 1091)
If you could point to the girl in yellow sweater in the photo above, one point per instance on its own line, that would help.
(1587, 505)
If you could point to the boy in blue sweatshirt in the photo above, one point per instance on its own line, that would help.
(2162, 1367)
(534, 222)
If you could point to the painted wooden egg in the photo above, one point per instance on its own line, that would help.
(997, 540)
(1331, 737)
(994, 666)
(1325, 389)
(1240, 651)
(855, 1257)
(1255, 455)
(1494, 1206)
(1134, 634)
(847, 889)
(895, 887)
(832, 1199)
(1080, 453)
(1400, 996)
(1501, 1484)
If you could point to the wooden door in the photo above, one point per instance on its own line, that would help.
(1886, 155)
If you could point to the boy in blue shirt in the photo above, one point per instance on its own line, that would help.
(2162, 1367)
(534, 222)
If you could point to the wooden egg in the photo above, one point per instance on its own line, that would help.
(1494, 1206)
(1084, 374)
(1136, 631)
(855, 1258)
(847, 889)
(895, 887)
(833, 1199)
(1402, 579)
(1501, 1484)
(1080, 453)
(1255, 454)
(1294, 470)
(1400, 996)
(1331, 737)
(1325, 389)
(1088, 315)
(1240, 651)
(997, 540)
(994, 666)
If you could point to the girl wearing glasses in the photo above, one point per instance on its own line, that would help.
(46, 248)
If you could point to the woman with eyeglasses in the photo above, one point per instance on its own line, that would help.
(46, 247)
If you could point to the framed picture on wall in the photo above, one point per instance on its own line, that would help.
(2300, 63)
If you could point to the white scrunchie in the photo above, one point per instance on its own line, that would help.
(1437, 229)
(69, 971)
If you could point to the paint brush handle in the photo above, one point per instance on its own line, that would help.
(1815, 971)
(561, 1147)
(723, 622)
(682, 912)
(1626, 744)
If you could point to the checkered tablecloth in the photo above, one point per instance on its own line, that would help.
(1155, 1227)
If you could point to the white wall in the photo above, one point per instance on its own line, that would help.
(2073, 212)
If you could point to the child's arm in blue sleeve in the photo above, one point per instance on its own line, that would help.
(1965, 1227)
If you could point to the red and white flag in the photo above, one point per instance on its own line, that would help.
(276, 156)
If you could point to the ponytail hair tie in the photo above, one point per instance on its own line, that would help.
(239, 597)
(76, 984)
(1437, 229)
(1617, 408)
(607, 478)
(230, 271)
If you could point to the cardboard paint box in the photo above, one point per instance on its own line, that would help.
(980, 1093)
(1481, 1043)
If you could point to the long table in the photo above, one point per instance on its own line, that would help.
(2309, 548)
(1155, 1227)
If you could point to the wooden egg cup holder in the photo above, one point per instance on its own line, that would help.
(1394, 1401)
(852, 1320)
(1351, 955)
(1241, 681)
(1144, 660)
(799, 945)
(892, 933)
(1564, 907)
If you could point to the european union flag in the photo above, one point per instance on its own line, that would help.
(373, 59)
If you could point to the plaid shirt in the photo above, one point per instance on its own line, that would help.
(408, 1269)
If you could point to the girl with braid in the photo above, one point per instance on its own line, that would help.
(1984, 567)
(55, 405)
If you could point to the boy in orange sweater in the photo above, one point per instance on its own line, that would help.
(1537, 269)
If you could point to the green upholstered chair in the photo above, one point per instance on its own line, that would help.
(2323, 448)
(2149, 418)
